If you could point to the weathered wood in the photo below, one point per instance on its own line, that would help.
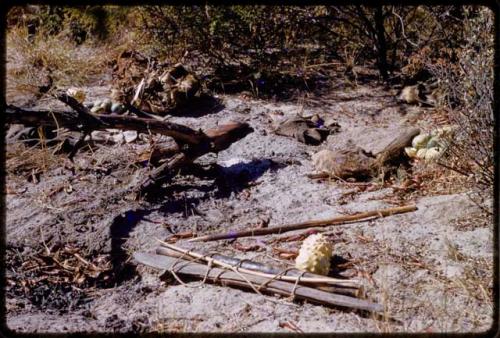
(308, 224)
(215, 139)
(158, 173)
(87, 120)
(395, 149)
(192, 143)
(210, 260)
(70, 120)
(259, 267)
(231, 278)
(218, 139)
(355, 162)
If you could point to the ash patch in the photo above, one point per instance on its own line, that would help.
(54, 296)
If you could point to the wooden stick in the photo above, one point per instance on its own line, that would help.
(307, 224)
(256, 266)
(231, 278)
(311, 278)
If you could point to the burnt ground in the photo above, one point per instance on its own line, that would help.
(72, 228)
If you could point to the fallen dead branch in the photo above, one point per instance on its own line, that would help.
(218, 140)
(68, 119)
(213, 140)
(244, 280)
(191, 143)
(295, 276)
(307, 224)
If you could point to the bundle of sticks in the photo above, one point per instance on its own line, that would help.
(260, 278)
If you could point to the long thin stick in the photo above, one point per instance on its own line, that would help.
(255, 266)
(225, 277)
(210, 260)
(307, 224)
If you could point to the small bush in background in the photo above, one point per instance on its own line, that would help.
(468, 87)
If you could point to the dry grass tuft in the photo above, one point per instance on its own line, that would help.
(30, 60)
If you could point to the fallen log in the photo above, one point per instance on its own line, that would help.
(308, 224)
(243, 280)
(68, 119)
(191, 143)
(259, 267)
(213, 140)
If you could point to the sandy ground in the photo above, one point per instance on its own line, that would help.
(431, 269)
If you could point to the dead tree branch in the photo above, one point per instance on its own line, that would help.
(191, 143)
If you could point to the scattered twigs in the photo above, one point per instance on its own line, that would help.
(86, 262)
(231, 278)
(307, 224)
(256, 269)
